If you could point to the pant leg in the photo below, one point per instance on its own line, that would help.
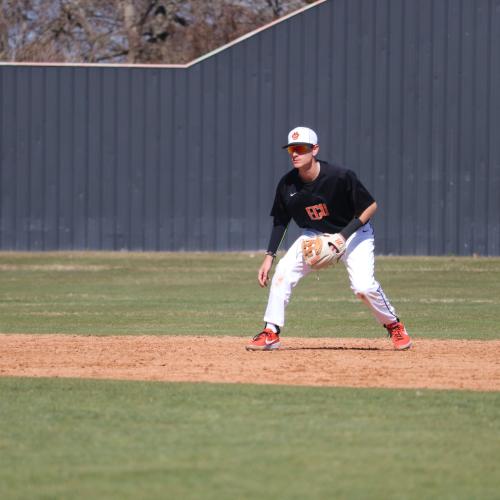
(359, 260)
(290, 269)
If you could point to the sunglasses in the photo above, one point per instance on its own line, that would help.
(300, 149)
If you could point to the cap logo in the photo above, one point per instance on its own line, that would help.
(295, 136)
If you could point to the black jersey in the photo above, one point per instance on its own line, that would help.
(327, 204)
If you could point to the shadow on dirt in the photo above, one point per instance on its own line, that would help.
(332, 348)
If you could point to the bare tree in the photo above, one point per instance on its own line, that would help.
(134, 31)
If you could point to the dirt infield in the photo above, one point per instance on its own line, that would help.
(436, 364)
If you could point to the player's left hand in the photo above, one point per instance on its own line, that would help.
(324, 250)
(338, 241)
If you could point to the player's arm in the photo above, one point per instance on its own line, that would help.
(368, 213)
(359, 221)
(277, 235)
(364, 205)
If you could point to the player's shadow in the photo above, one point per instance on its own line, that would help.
(330, 348)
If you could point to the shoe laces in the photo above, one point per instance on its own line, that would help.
(398, 335)
(396, 331)
(259, 335)
(265, 333)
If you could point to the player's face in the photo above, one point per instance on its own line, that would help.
(301, 154)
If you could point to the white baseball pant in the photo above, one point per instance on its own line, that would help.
(359, 260)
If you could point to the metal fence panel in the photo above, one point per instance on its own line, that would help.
(406, 93)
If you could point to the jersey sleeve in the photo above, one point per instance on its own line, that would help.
(359, 195)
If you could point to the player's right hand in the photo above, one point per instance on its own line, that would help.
(263, 275)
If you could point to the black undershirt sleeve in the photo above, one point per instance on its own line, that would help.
(276, 238)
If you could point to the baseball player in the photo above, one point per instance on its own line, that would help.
(322, 198)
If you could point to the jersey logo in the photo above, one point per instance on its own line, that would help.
(317, 212)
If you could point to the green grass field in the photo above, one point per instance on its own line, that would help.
(77, 439)
(99, 439)
(217, 294)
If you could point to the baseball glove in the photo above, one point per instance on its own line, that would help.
(324, 250)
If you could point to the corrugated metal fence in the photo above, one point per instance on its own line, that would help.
(404, 92)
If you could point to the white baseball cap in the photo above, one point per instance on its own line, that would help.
(301, 135)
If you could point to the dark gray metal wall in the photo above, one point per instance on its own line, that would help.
(404, 92)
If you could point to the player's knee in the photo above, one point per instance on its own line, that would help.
(361, 290)
(278, 280)
(285, 277)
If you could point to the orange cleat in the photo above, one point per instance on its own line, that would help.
(399, 336)
(266, 340)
